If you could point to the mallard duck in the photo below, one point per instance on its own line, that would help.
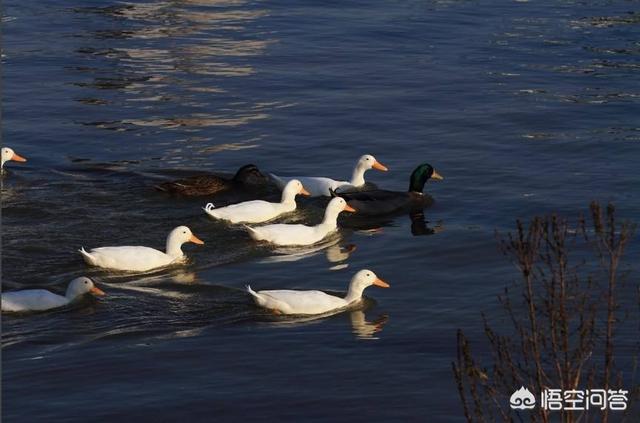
(316, 302)
(298, 234)
(379, 201)
(141, 259)
(41, 299)
(258, 211)
(9, 155)
(320, 186)
(247, 176)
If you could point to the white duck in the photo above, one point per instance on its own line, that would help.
(141, 259)
(316, 302)
(319, 186)
(298, 234)
(7, 155)
(258, 211)
(41, 299)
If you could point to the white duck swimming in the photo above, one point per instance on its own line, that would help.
(316, 302)
(298, 234)
(41, 299)
(141, 259)
(7, 155)
(319, 186)
(258, 211)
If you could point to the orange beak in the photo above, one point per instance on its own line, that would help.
(349, 208)
(196, 240)
(97, 291)
(436, 175)
(379, 282)
(305, 192)
(379, 166)
(17, 158)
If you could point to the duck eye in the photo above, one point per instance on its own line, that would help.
(85, 282)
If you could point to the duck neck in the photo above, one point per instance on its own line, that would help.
(355, 293)
(330, 220)
(288, 198)
(174, 246)
(357, 178)
(70, 295)
(417, 185)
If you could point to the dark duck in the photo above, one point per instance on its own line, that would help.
(379, 201)
(246, 177)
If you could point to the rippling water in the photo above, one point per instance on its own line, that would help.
(523, 107)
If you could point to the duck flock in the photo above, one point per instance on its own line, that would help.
(354, 196)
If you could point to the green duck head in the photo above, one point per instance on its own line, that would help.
(421, 175)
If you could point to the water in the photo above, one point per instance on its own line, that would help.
(524, 108)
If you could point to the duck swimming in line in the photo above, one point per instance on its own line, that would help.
(247, 176)
(142, 259)
(379, 201)
(320, 186)
(298, 234)
(258, 211)
(287, 301)
(7, 154)
(41, 299)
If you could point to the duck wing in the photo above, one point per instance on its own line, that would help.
(303, 302)
(196, 185)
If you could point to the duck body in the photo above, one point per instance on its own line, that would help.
(322, 186)
(379, 202)
(258, 211)
(139, 258)
(41, 299)
(200, 185)
(315, 302)
(129, 258)
(298, 234)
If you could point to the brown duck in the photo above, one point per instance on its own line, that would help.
(194, 186)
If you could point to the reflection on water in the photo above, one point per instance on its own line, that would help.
(336, 253)
(360, 326)
(171, 72)
(364, 329)
(419, 225)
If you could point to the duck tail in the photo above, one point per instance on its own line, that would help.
(209, 209)
(251, 291)
(88, 258)
(253, 233)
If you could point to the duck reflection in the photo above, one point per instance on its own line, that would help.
(335, 252)
(364, 329)
(419, 225)
(360, 326)
(375, 225)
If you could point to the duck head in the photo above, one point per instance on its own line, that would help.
(250, 175)
(179, 236)
(369, 162)
(293, 188)
(8, 154)
(336, 206)
(365, 163)
(361, 280)
(421, 175)
(81, 286)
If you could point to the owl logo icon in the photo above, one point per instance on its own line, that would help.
(522, 399)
